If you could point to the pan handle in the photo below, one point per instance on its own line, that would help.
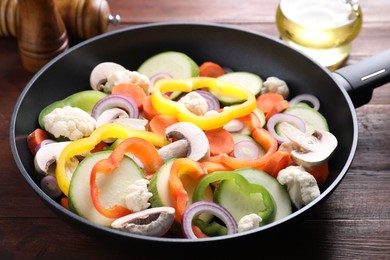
(361, 78)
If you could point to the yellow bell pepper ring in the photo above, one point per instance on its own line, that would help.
(109, 130)
(172, 108)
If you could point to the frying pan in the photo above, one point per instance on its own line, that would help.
(242, 50)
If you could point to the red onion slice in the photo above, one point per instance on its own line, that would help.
(44, 142)
(154, 78)
(115, 101)
(50, 186)
(281, 117)
(246, 150)
(306, 98)
(215, 209)
(211, 100)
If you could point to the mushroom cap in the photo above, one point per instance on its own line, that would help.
(150, 222)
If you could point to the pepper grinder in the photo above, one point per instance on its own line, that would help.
(8, 17)
(86, 18)
(83, 19)
(41, 33)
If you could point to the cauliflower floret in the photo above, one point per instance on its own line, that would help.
(126, 76)
(69, 122)
(276, 85)
(138, 195)
(301, 185)
(249, 222)
(195, 103)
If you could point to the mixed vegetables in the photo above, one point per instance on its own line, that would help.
(180, 149)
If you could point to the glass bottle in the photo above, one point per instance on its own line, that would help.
(323, 29)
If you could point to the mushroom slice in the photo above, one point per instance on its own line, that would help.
(199, 147)
(48, 155)
(133, 123)
(100, 73)
(109, 115)
(313, 149)
(176, 149)
(150, 222)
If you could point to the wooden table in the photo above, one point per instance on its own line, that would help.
(354, 223)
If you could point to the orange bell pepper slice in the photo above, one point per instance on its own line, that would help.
(180, 167)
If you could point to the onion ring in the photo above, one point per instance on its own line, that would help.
(282, 117)
(204, 206)
(306, 98)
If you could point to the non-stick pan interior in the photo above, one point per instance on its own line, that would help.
(240, 50)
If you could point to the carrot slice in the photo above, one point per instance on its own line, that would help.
(320, 173)
(148, 108)
(266, 101)
(278, 161)
(210, 69)
(159, 123)
(65, 202)
(35, 138)
(220, 141)
(278, 107)
(131, 90)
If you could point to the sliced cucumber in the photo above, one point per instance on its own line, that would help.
(313, 119)
(159, 186)
(279, 194)
(176, 64)
(241, 137)
(248, 80)
(113, 186)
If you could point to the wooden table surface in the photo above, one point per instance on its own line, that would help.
(353, 223)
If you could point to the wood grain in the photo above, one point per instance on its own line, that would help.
(353, 223)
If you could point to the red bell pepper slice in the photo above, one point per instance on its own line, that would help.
(143, 150)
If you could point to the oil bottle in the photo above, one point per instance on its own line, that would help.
(323, 29)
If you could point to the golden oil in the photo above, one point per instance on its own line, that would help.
(323, 29)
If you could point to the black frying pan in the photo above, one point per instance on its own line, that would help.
(339, 94)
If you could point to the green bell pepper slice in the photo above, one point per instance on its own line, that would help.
(248, 191)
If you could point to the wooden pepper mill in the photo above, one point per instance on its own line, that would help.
(82, 18)
(86, 18)
(41, 33)
(8, 17)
